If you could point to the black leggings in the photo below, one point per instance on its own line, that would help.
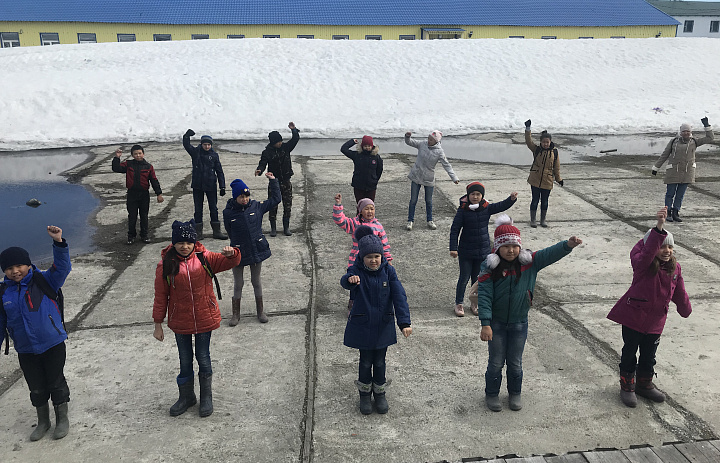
(44, 376)
(647, 343)
(539, 195)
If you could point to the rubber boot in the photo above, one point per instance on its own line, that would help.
(286, 226)
(206, 405)
(669, 217)
(646, 388)
(627, 389)
(62, 425)
(236, 311)
(365, 404)
(43, 425)
(543, 213)
(381, 404)
(260, 310)
(676, 214)
(217, 233)
(273, 227)
(515, 402)
(533, 216)
(493, 403)
(198, 230)
(187, 397)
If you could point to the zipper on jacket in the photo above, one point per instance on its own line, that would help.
(192, 296)
(53, 324)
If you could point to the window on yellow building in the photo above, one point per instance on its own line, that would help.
(126, 37)
(87, 38)
(9, 39)
(236, 36)
(516, 37)
(49, 38)
(271, 36)
(341, 37)
(306, 36)
(407, 37)
(200, 36)
(373, 37)
(162, 37)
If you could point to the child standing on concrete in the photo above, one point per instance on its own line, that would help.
(545, 168)
(472, 219)
(139, 175)
(423, 173)
(368, 167)
(642, 310)
(276, 157)
(184, 292)
(505, 293)
(31, 313)
(243, 222)
(379, 299)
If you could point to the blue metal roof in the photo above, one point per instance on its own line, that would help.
(342, 12)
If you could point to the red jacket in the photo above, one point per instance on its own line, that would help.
(644, 307)
(190, 302)
(139, 175)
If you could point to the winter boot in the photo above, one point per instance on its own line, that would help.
(217, 233)
(669, 217)
(493, 403)
(627, 389)
(286, 226)
(646, 388)
(273, 227)
(236, 311)
(543, 213)
(43, 425)
(381, 404)
(62, 425)
(206, 405)
(187, 397)
(260, 310)
(675, 215)
(198, 230)
(515, 402)
(365, 394)
(533, 216)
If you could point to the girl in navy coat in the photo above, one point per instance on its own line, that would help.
(368, 167)
(243, 222)
(472, 218)
(379, 299)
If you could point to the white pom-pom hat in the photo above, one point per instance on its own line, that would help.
(506, 233)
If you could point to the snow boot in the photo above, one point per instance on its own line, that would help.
(217, 233)
(206, 405)
(236, 311)
(646, 388)
(286, 226)
(493, 403)
(43, 425)
(62, 425)
(533, 217)
(260, 310)
(198, 230)
(273, 227)
(627, 389)
(365, 394)
(381, 404)
(515, 402)
(675, 213)
(187, 397)
(543, 213)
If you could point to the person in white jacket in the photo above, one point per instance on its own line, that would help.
(423, 173)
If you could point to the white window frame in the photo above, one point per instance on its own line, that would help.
(341, 37)
(373, 37)
(161, 38)
(9, 39)
(49, 38)
(236, 36)
(407, 37)
(305, 36)
(87, 37)
(716, 28)
(200, 36)
(688, 26)
(124, 37)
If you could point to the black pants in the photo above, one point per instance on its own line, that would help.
(138, 201)
(372, 366)
(44, 376)
(360, 194)
(286, 193)
(647, 343)
(199, 198)
(539, 195)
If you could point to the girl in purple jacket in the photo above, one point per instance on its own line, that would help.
(642, 311)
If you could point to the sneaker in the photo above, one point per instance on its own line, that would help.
(409, 225)
(145, 240)
(459, 311)
(131, 240)
(431, 225)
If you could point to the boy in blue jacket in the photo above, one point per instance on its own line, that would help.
(34, 322)
(379, 299)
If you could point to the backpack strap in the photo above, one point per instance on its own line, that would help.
(48, 290)
(203, 261)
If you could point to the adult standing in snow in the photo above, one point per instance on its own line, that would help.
(276, 157)
(206, 174)
(545, 168)
(680, 170)
(423, 173)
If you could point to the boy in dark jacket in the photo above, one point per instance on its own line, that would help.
(276, 157)
(368, 167)
(207, 173)
(34, 323)
(139, 175)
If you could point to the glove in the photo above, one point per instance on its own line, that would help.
(561, 183)
(189, 133)
(705, 122)
(654, 172)
(222, 191)
(527, 124)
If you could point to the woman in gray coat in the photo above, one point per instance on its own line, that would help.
(680, 170)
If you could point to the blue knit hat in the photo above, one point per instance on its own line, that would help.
(184, 232)
(239, 188)
(206, 139)
(368, 242)
(14, 256)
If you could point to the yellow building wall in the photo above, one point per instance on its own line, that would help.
(107, 32)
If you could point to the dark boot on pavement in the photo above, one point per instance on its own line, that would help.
(217, 233)
(199, 230)
(381, 404)
(43, 425)
(206, 405)
(236, 311)
(627, 389)
(493, 403)
(365, 397)
(533, 216)
(515, 402)
(646, 388)
(187, 397)
(273, 227)
(286, 226)
(543, 214)
(260, 310)
(62, 424)
(676, 215)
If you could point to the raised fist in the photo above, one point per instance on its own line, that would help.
(189, 133)
(527, 123)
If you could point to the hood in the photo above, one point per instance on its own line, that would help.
(198, 248)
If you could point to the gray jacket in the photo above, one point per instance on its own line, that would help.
(680, 157)
(423, 172)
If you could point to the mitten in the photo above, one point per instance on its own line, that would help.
(561, 183)
(527, 124)
(654, 172)
(222, 191)
(705, 122)
(189, 133)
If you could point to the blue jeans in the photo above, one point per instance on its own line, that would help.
(372, 366)
(469, 268)
(507, 346)
(414, 193)
(540, 195)
(199, 199)
(202, 354)
(675, 191)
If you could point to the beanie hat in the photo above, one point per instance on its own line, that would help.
(669, 240)
(184, 231)
(437, 135)
(206, 139)
(475, 186)
(505, 232)
(685, 126)
(274, 137)
(545, 134)
(239, 188)
(364, 203)
(14, 256)
(367, 141)
(368, 242)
